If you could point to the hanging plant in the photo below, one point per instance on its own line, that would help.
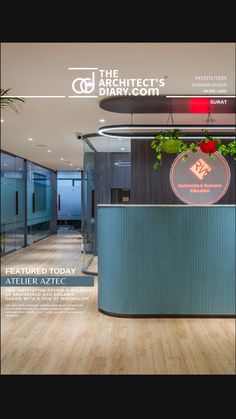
(169, 142)
(228, 149)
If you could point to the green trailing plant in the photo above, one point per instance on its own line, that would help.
(165, 142)
(11, 102)
(169, 142)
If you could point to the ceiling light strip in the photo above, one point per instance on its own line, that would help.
(82, 68)
(80, 96)
(193, 97)
(106, 131)
(34, 97)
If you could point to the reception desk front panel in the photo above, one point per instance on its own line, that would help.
(166, 260)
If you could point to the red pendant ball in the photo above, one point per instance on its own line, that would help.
(208, 147)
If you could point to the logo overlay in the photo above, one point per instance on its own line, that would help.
(200, 168)
(200, 180)
(90, 82)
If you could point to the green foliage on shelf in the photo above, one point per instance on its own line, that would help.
(169, 142)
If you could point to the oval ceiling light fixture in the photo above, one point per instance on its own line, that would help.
(150, 131)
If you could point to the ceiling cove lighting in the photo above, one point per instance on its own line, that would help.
(114, 131)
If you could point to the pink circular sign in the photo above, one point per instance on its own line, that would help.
(201, 180)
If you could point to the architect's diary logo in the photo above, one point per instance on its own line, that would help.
(92, 82)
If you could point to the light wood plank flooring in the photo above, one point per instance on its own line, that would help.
(93, 343)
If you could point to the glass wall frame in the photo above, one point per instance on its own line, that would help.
(69, 184)
(106, 180)
(13, 203)
(21, 224)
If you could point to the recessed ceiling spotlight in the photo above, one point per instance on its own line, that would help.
(78, 168)
(102, 120)
(30, 139)
(49, 151)
(120, 139)
(71, 164)
(122, 148)
(5, 164)
(2, 120)
(62, 158)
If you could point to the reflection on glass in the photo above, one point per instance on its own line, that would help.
(69, 201)
(88, 211)
(107, 179)
(39, 202)
(12, 203)
(38, 192)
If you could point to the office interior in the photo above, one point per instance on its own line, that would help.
(162, 303)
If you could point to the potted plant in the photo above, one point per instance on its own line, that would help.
(11, 102)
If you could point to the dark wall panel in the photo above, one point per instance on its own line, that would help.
(109, 175)
(120, 175)
(153, 187)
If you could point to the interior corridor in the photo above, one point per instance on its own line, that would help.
(89, 342)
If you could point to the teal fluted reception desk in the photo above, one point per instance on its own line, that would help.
(158, 260)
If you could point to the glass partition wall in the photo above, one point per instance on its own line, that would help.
(88, 209)
(69, 201)
(106, 180)
(12, 203)
(27, 202)
(39, 202)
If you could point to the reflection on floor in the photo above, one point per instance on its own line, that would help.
(67, 229)
(93, 343)
(91, 263)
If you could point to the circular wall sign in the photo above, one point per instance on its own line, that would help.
(201, 180)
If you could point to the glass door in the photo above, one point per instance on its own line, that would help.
(12, 203)
(69, 201)
(89, 209)
(39, 202)
(20, 203)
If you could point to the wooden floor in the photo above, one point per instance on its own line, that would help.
(93, 343)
